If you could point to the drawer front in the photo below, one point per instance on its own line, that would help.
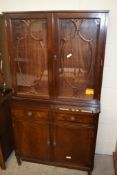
(71, 117)
(22, 113)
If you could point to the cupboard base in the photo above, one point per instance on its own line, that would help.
(80, 168)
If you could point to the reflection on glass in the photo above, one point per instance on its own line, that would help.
(77, 41)
(30, 48)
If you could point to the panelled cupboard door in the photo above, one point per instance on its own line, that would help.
(32, 139)
(79, 42)
(73, 144)
(29, 47)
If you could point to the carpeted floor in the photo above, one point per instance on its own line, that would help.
(103, 166)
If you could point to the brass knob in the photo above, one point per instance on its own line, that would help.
(55, 57)
(72, 118)
(29, 113)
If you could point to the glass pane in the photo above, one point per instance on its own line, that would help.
(30, 48)
(77, 40)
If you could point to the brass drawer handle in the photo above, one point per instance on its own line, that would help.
(29, 113)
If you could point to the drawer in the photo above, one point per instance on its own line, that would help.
(24, 113)
(69, 117)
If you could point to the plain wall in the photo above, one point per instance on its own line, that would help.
(107, 131)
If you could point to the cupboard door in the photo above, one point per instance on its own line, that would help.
(29, 40)
(73, 144)
(32, 139)
(80, 54)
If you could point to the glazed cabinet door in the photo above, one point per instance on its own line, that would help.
(80, 52)
(29, 37)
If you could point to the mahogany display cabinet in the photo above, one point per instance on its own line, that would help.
(56, 60)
